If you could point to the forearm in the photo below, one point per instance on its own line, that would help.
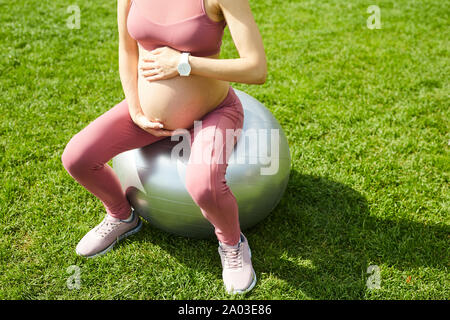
(242, 70)
(128, 66)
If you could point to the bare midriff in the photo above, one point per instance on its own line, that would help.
(179, 101)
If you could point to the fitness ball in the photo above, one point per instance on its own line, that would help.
(257, 174)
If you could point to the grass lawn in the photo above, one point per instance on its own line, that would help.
(366, 113)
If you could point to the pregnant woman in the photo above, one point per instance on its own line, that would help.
(171, 76)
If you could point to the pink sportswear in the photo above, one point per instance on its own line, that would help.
(180, 24)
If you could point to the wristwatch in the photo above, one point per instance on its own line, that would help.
(184, 68)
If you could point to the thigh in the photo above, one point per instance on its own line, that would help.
(213, 138)
(110, 134)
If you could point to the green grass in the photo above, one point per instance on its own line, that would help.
(366, 115)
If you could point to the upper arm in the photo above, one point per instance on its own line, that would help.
(243, 29)
(125, 40)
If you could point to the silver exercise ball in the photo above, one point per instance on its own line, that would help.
(258, 173)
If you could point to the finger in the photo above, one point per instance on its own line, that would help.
(155, 77)
(150, 124)
(148, 66)
(166, 133)
(154, 69)
(160, 132)
(150, 73)
(153, 125)
(179, 131)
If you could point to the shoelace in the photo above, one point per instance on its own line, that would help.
(106, 227)
(232, 257)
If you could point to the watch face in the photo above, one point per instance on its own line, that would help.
(184, 69)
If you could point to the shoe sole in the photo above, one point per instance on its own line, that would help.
(107, 249)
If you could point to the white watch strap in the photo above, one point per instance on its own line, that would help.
(184, 57)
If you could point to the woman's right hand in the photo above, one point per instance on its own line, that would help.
(153, 127)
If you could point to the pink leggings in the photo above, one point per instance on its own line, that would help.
(87, 153)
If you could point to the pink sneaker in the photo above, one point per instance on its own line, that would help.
(238, 274)
(104, 236)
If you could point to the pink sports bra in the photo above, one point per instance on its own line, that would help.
(182, 25)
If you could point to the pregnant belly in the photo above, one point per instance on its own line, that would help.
(179, 101)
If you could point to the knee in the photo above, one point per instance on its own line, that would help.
(69, 160)
(73, 159)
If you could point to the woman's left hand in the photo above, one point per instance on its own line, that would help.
(160, 63)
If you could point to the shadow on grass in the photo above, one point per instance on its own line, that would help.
(322, 238)
(318, 243)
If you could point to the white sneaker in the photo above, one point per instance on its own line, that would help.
(104, 236)
(238, 274)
